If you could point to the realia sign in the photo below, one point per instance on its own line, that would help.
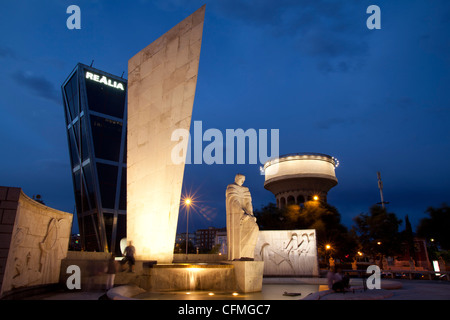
(104, 80)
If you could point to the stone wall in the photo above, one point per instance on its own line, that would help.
(206, 258)
(93, 266)
(33, 240)
(288, 252)
(8, 205)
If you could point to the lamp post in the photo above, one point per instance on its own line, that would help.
(187, 202)
(328, 254)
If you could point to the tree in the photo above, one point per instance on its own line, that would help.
(437, 226)
(215, 249)
(378, 233)
(269, 217)
(181, 248)
(408, 238)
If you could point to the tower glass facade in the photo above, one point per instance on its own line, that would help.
(95, 106)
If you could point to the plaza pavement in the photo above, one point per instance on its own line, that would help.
(409, 290)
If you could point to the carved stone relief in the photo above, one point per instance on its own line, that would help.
(288, 252)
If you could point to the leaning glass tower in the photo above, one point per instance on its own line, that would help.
(95, 107)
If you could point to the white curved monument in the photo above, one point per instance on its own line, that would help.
(162, 80)
(242, 230)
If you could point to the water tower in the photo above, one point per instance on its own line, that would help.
(296, 178)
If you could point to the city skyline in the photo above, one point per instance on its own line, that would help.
(374, 99)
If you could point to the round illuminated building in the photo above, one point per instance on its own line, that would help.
(296, 178)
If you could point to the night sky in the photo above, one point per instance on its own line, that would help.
(375, 99)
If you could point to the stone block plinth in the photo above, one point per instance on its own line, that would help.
(248, 275)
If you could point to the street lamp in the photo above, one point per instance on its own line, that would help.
(187, 202)
(316, 198)
(328, 254)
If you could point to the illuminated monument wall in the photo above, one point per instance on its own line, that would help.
(162, 80)
(95, 112)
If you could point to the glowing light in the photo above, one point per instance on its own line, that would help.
(360, 253)
(436, 267)
(211, 294)
(316, 198)
(235, 293)
(104, 80)
(194, 269)
(261, 170)
(328, 247)
(188, 200)
(336, 162)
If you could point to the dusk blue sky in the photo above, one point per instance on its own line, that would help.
(378, 100)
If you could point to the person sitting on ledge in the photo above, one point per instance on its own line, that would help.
(129, 253)
(337, 282)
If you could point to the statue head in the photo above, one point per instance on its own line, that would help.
(239, 179)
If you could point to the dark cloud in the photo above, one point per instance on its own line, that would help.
(262, 12)
(6, 52)
(336, 121)
(38, 85)
(332, 32)
(433, 34)
(173, 5)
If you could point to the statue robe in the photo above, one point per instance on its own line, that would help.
(242, 230)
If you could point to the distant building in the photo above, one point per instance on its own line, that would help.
(95, 108)
(180, 242)
(181, 237)
(205, 238)
(300, 177)
(419, 257)
(221, 240)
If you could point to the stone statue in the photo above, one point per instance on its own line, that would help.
(242, 230)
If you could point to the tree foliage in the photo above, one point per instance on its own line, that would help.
(436, 226)
(407, 237)
(378, 232)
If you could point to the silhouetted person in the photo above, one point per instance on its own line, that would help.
(130, 253)
(337, 281)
